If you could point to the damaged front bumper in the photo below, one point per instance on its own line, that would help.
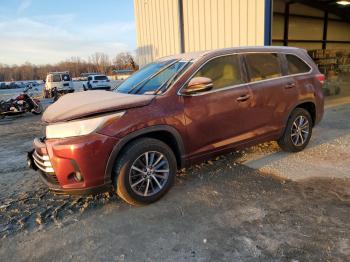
(69, 178)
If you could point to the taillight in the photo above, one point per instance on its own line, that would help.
(321, 78)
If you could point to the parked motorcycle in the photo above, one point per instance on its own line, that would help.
(20, 104)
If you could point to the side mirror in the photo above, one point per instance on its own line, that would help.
(197, 85)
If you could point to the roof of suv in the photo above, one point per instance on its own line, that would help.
(196, 55)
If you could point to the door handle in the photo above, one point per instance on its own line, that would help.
(290, 85)
(243, 98)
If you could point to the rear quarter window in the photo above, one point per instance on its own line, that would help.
(296, 65)
(263, 66)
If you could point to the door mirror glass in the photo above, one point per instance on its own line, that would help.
(197, 85)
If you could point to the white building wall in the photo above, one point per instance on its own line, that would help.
(157, 29)
(211, 24)
(208, 24)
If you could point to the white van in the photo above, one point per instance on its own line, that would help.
(59, 81)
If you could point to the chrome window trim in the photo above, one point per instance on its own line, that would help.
(244, 84)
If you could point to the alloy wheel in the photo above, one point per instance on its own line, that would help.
(149, 173)
(300, 130)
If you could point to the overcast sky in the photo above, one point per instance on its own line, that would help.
(49, 31)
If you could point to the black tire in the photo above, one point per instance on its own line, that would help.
(286, 142)
(38, 110)
(56, 97)
(128, 157)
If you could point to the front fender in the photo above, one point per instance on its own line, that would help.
(139, 133)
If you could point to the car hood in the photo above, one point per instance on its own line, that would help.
(83, 104)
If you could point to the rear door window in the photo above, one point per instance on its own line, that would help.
(263, 66)
(296, 65)
(224, 71)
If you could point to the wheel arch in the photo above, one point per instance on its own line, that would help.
(164, 133)
(308, 105)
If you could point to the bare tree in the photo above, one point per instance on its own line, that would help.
(125, 61)
(97, 62)
(101, 61)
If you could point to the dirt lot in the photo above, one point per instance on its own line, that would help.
(257, 204)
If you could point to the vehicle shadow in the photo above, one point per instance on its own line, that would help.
(331, 129)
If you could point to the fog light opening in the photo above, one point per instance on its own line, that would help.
(77, 177)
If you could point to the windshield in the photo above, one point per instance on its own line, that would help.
(151, 78)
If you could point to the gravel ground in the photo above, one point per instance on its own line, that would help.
(226, 209)
(327, 155)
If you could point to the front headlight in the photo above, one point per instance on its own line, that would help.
(79, 127)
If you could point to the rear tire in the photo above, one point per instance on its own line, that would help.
(298, 131)
(140, 175)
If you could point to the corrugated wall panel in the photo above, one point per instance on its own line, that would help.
(157, 29)
(208, 24)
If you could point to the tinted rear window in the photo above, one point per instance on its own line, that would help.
(263, 66)
(101, 78)
(296, 65)
(65, 77)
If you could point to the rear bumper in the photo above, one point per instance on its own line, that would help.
(61, 162)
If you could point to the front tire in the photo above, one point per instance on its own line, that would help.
(145, 171)
(38, 109)
(298, 131)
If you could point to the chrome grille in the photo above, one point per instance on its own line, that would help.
(44, 164)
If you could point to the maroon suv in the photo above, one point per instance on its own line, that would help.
(175, 112)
